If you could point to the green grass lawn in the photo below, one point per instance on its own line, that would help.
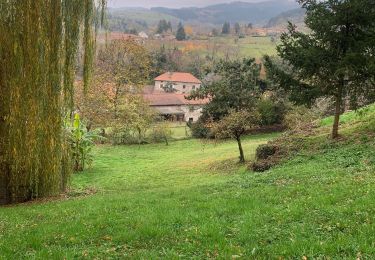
(361, 114)
(191, 200)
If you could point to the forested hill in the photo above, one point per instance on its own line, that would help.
(295, 16)
(256, 13)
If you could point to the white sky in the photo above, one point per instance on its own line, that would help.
(169, 3)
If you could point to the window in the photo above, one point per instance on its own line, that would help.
(191, 120)
(184, 86)
(161, 85)
(193, 87)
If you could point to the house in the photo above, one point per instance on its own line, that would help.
(143, 35)
(182, 83)
(174, 105)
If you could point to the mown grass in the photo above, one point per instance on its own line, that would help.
(360, 115)
(190, 200)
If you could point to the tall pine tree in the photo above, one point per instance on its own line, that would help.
(336, 59)
(226, 28)
(180, 34)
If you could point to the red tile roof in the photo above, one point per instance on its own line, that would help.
(178, 77)
(171, 99)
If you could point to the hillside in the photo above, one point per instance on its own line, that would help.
(190, 200)
(122, 19)
(356, 129)
(296, 16)
(256, 13)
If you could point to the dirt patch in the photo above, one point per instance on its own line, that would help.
(61, 197)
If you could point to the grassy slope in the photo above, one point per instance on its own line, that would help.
(191, 201)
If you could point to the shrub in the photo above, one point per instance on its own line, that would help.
(123, 135)
(271, 112)
(161, 133)
(261, 166)
(81, 143)
(299, 117)
(265, 151)
(200, 130)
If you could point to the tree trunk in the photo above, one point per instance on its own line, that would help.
(115, 102)
(166, 140)
(102, 133)
(4, 189)
(336, 122)
(242, 156)
(88, 127)
(139, 137)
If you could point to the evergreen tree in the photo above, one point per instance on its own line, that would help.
(336, 59)
(163, 26)
(180, 35)
(237, 28)
(170, 26)
(226, 28)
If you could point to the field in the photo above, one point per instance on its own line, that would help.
(192, 200)
(250, 46)
(122, 15)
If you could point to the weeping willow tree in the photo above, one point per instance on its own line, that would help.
(39, 43)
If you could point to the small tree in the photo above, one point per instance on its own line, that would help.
(234, 85)
(123, 69)
(234, 93)
(161, 133)
(142, 116)
(235, 125)
(163, 26)
(336, 59)
(169, 26)
(226, 28)
(180, 34)
(237, 28)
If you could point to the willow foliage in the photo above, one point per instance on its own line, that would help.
(39, 43)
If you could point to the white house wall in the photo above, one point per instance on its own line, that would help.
(193, 112)
(183, 88)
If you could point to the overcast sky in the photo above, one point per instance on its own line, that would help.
(170, 3)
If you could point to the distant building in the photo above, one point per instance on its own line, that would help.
(183, 83)
(143, 35)
(174, 106)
